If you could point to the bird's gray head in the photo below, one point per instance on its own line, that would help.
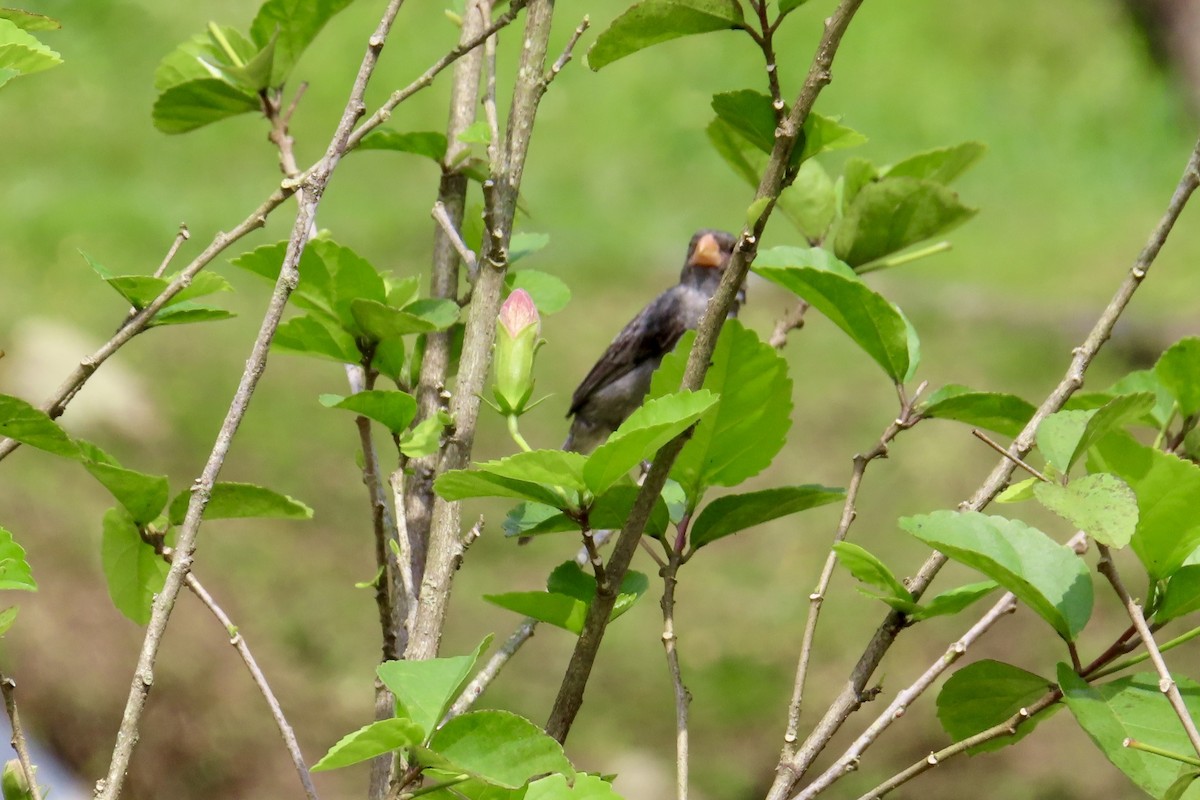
(708, 254)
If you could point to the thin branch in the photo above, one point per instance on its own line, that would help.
(447, 225)
(185, 549)
(766, 43)
(792, 321)
(182, 236)
(775, 178)
(905, 420)
(792, 769)
(9, 687)
(391, 612)
(564, 57)
(1007, 728)
(260, 680)
(1166, 684)
(491, 669)
(405, 558)
(1017, 460)
(682, 696)
(906, 697)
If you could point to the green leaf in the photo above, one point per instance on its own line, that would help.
(569, 578)
(1112, 416)
(1059, 436)
(739, 154)
(524, 244)
(750, 113)
(549, 293)
(609, 511)
(1100, 504)
(201, 285)
(1018, 492)
(14, 569)
(755, 210)
(7, 617)
(570, 593)
(985, 694)
(392, 409)
(1179, 370)
(1135, 708)
(379, 321)
(810, 203)
(823, 134)
(1046, 576)
(424, 690)
(868, 569)
(499, 747)
(856, 173)
(1182, 595)
(736, 512)
(546, 467)
(478, 132)
(890, 214)
(559, 610)
(23, 423)
(311, 336)
(585, 787)
(29, 21)
(647, 429)
(369, 741)
(22, 53)
(231, 500)
(788, 6)
(1005, 414)
(292, 24)
(189, 313)
(1168, 494)
(1184, 782)
(460, 484)
(188, 106)
(355, 281)
(752, 418)
(206, 56)
(942, 165)
(815, 257)
(135, 573)
(315, 290)
(430, 144)
(952, 601)
(425, 438)
(143, 496)
(875, 325)
(654, 21)
(255, 73)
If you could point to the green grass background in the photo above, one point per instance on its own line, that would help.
(1086, 141)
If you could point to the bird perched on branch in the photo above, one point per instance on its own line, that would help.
(618, 382)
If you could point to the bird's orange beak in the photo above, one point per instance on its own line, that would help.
(707, 252)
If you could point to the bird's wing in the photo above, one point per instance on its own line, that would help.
(651, 334)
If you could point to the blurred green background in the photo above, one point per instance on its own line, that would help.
(1086, 141)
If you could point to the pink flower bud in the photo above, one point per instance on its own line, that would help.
(519, 312)
(517, 328)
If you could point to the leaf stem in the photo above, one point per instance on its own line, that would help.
(1134, 744)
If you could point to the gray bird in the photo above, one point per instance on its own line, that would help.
(618, 382)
